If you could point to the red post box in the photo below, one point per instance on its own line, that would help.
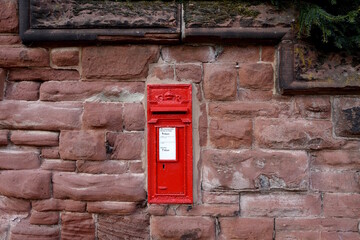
(169, 122)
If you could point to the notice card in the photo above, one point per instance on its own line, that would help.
(167, 143)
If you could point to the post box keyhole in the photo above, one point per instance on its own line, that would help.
(164, 166)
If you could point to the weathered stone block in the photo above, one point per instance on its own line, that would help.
(134, 116)
(3, 76)
(347, 117)
(238, 54)
(59, 205)
(257, 76)
(9, 39)
(280, 205)
(217, 210)
(118, 62)
(188, 72)
(82, 145)
(39, 115)
(105, 167)
(339, 159)
(127, 146)
(14, 159)
(338, 181)
(23, 57)
(44, 218)
(103, 115)
(35, 138)
(318, 107)
(220, 82)
(28, 91)
(254, 169)
(246, 228)
(27, 184)
(13, 205)
(42, 74)
(162, 72)
(117, 208)
(125, 187)
(65, 57)
(58, 165)
(52, 153)
(77, 226)
(230, 134)
(24, 230)
(188, 54)
(341, 205)
(220, 198)
(8, 16)
(203, 125)
(4, 137)
(267, 53)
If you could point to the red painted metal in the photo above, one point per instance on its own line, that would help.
(169, 117)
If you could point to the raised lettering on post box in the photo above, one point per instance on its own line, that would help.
(169, 115)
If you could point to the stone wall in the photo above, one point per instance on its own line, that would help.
(73, 145)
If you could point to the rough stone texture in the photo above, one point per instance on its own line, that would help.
(267, 53)
(24, 230)
(188, 72)
(208, 210)
(39, 115)
(256, 76)
(250, 169)
(28, 91)
(126, 146)
(13, 205)
(182, 228)
(120, 62)
(77, 226)
(23, 57)
(44, 218)
(316, 224)
(280, 205)
(103, 116)
(338, 159)
(294, 134)
(238, 54)
(65, 57)
(8, 16)
(117, 208)
(203, 125)
(35, 138)
(58, 165)
(220, 198)
(28, 184)
(220, 82)
(255, 95)
(230, 134)
(347, 117)
(313, 107)
(134, 117)
(106, 167)
(335, 181)
(162, 72)
(157, 209)
(342, 205)
(188, 54)
(3, 76)
(42, 74)
(92, 91)
(339, 235)
(16, 159)
(9, 39)
(135, 226)
(50, 152)
(58, 205)
(246, 228)
(125, 187)
(86, 145)
(4, 137)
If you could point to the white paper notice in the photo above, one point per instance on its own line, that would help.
(167, 143)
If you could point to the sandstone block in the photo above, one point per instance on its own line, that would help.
(340, 235)
(219, 198)
(3, 76)
(342, 205)
(16, 159)
(256, 76)
(254, 169)
(162, 72)
(58, 165)
(35, 138)
(188, 54)
(220, 82)
(127, 146)
(208, 210)
(329, 181)
(77, 226)
(118, 208)
(135, 226)
(280, 205)
(235, 110)
(51, 153)
(103, 115)
(28, 91)
(125, 187)
(178, 227)
(339, 159)
(64, 57)
(42, 74)
(4, 137)
(230, 134)
(157, 209)
(246, 228)
(44, 218)
(316, 224)
(238, 54)
(13, 205)
(58, 205)
(255, 95)
(203, 125)
(298, 235)
(23, 57)
(24, 230)
(294, 134)
(188, 72)
(118, 62)
(9, 39)
(267, 53)
(134, 117)
(136, 166)
(104, 167)
(27, 184)
(313, 107)
(8, 16)
(85, 145)
(92, 91)
(39, 115)
(347, 117)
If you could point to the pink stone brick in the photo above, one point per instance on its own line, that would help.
(246, 228)
(162, 72)
(42, 74)
(65, 57)
(77, 225)
(58, 165)
(188, 54)
(118, 208)
(342, 205)
(127, 146)
(3, 76)
(16, 159)
(313, 107)
(267, 53)
(8, 16)
(35, 138)
(216, 210)
(51, 153)
(44, 218)
(339, 181)
(134, 116)
(24, 230)
(239, 54)
(28, 91)
(339, 159)
(103, 116)
(23, 57)
(58, 205)
(9, 39)
(188, 72)
(105, 167)
(4, 137)
(256, 76)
